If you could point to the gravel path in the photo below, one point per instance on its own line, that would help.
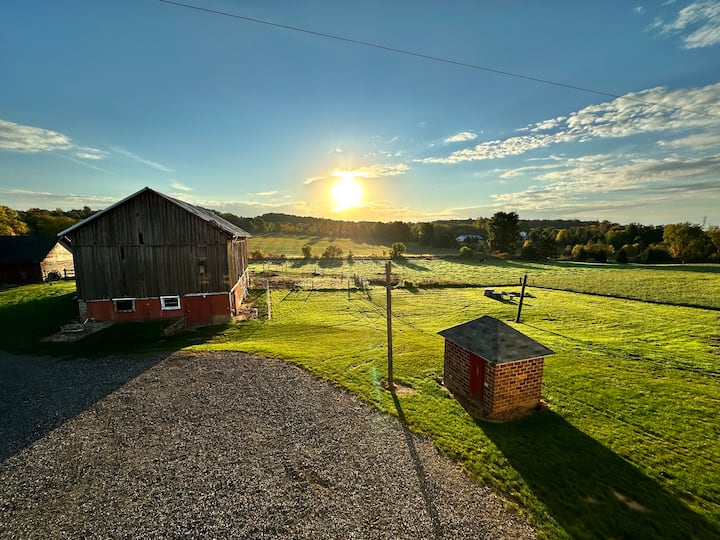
(227, 445)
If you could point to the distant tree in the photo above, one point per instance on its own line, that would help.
(621, 256)
(10, 222)
(504, 232)
(257, 255)
(307, 251)
(332, 252)
(398, 249)
(350, 257)
(655, 253)
(713, 233)
(685, 241)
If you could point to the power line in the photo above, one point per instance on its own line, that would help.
(434, 58)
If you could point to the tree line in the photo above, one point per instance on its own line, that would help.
(504, 234)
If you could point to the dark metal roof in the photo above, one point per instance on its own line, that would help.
(25, 249)
(494, 341)
(206, 215)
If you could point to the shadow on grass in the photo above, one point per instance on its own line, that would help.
(419, 471)
(407, 263)
(591, 491)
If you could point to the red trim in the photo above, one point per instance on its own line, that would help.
(198, 309)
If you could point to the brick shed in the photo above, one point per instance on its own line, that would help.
(492, 369)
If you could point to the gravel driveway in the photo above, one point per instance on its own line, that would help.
(228, 445)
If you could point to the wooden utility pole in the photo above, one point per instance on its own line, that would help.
(269, 302)
(522, 297)
(391, 384)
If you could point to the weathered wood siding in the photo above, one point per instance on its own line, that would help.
(57, 260)
(149, 247)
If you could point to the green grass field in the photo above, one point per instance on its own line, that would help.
(629, 447)
(291, 246)
(686, 285)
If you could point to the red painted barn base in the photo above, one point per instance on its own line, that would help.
(493, 370)
(198, 309)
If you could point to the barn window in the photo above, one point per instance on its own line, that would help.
(141, 240)
(169, 302)
(124, 304)
(122, 253)
(202, 268)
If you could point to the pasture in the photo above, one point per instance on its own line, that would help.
(629, 445)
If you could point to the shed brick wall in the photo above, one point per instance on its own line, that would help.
(517, 387)
(510, 389)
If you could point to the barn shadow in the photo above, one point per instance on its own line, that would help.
(591, 491)
(38, 394)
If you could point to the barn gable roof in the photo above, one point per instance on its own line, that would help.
(495, 341)
(25, 249)
(206, 215)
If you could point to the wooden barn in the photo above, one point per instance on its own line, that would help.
(33, 259)
(492, 369)
(150, 256)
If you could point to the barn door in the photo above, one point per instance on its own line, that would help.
(477, 375)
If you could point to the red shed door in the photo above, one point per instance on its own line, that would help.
(477, 375)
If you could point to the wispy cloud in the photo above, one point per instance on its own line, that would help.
(639, 10)
(573, 182)
(463, 136)
(180, 186)
(25, 198)
(698, 24)
(634, 114)
(336, 150)
(19, 138)
(152, 164)
(265, 193)
(314, 179)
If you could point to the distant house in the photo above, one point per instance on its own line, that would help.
(492, 369)
(33, 259)
(150, 256)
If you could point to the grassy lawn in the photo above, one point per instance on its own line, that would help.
(291, 245)
(629, 447)
(687, 285)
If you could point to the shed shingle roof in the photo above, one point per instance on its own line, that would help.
(206, 215)
(494, 341)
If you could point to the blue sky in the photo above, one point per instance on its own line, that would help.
(100, 99)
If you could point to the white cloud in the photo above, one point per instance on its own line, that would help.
(180, 186)
(18, 138)
(574, 182)
(266, 193)
(657, 110)
(313, 179)
(698, 24)
(639, 10)
(25, 198)
(463, 136)
(336, 150)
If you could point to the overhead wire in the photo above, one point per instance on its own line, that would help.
(435, 58)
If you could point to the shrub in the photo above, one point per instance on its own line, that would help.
(466, 252)
(257, 255)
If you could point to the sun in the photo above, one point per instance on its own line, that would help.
(347, 193)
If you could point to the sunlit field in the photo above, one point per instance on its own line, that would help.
(629, 444)
(691, 285)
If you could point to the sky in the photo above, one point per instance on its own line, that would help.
(100, 99)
